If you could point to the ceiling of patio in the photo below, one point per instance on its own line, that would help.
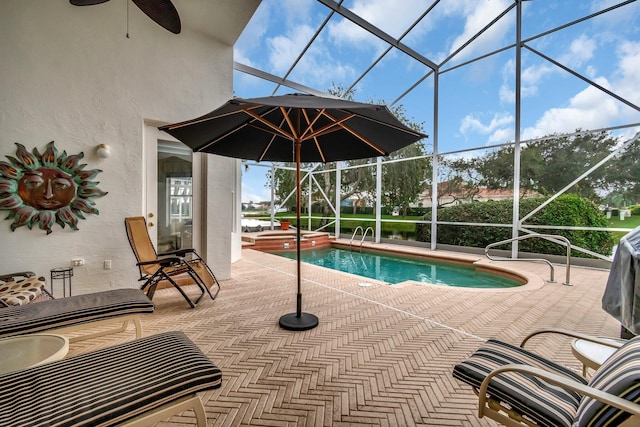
(453, 65)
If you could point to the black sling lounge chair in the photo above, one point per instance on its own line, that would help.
(172, 267)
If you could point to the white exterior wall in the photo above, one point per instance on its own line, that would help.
(70, 75)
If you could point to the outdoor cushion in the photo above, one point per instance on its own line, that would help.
(543, 403)
(21, 292)
(620, 376)
(107, 386)
(71, 311)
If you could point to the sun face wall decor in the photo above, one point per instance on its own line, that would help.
(47, 188)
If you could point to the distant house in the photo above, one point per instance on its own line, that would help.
(452, 193)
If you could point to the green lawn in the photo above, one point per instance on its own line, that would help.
(630, 222)
(347, 224)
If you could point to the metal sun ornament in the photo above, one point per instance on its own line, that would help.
(47, 188)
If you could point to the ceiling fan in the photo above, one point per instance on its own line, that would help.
(162, 12)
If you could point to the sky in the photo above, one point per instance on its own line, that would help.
(476, 101)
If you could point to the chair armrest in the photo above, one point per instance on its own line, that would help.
(564, 382)
(164, 261)
(179, 252)
(573, 334)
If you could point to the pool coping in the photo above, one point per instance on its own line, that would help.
(533, 281)
(530, 281)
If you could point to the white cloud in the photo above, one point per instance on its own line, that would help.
(391, 16)
(249, 42)
(619, 20)
(592, 108)
(502, 135)
(628, 82)
(317, 68)
(473, 124)
(253, 190)
(284, 49)
(477, 15)
(580, 51)
(589, 109)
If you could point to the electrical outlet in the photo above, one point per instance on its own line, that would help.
(107, 264)
(77, 262)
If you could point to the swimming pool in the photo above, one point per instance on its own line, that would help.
(395, 269)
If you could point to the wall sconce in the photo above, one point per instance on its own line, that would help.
(103, 151)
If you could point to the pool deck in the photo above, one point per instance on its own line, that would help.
(381, 355)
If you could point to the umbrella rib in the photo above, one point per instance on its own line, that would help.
(276, 129)
(206, 119)
(311, 123)
(285, 114)
(340, 123)
(331, 127)
(310, 128)
(264, 152)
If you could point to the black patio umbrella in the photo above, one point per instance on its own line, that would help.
(296, 128)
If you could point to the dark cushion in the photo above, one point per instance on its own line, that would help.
(545, 404)
(620, 376)
(107, 386)
(62, 312)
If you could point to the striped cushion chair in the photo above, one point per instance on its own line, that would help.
(79, 313)
(137, 383)
(519, 388)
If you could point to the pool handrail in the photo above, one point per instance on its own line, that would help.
(354, 235)
(550, 237)
(364, 235)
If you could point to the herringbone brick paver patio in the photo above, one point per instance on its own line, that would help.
(381, 356)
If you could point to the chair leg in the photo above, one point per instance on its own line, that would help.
(197, 280)
(161, 275)
(184, 295)
(213, 276)
(215, 281)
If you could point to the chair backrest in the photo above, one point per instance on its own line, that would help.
(619, 375)
(141, 243)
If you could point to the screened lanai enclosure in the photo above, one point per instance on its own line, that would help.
(531, 108)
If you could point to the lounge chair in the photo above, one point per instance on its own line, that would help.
(601, 348)
(76, 313)
(136, 383)
(172, 267)
(519, 388)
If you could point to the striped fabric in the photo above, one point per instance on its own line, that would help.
(543, 403)
(63, 312)
(108, 386)
(620, 376)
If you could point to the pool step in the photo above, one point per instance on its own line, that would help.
(284, 240)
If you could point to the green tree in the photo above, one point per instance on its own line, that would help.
(624, 177)
(404, 182)
(549, 164)
(459, 181)
(284, 182)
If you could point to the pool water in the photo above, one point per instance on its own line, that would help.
(394, 269)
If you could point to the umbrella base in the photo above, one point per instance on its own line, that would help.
(292, 322)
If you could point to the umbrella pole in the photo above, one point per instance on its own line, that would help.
(298, 321)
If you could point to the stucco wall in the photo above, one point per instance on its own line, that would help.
(70, 75)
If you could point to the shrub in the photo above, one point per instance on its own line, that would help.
(566, 210)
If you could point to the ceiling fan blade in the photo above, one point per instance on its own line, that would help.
(162, 12)
(86, 2)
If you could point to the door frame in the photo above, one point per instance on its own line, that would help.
(151, 135)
